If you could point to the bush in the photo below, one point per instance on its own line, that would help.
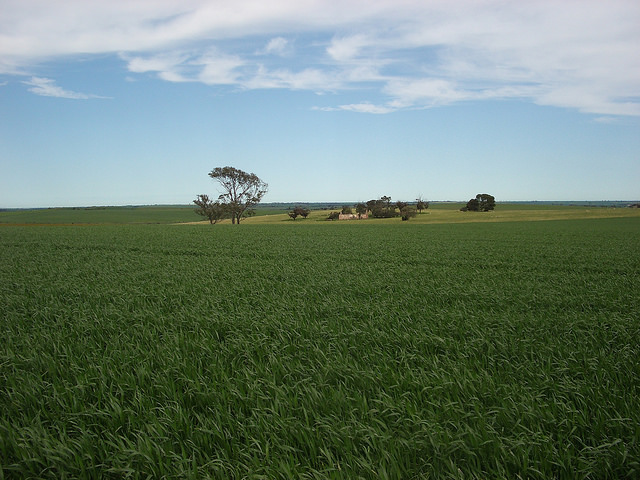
(407, 213)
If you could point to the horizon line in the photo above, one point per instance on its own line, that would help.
(133, 205)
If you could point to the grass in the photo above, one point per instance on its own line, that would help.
(98, 215)
(158, 214)
(169, 214)
(355, 350)
(450, 213)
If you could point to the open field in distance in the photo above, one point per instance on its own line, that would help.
(446, 212)
(322, 350)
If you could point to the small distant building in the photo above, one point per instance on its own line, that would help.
(352, 216)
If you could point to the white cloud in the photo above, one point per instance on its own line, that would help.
(48, 88)
(579, 54)
(360, 108)
(278, 46)
(424, 91)
(219, 69)
(605, 119)
(307, 79)
(157, 63)
(347, 48)
(210, 67)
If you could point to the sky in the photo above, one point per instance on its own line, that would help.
(120, 102)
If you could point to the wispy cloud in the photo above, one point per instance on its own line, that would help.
(278, 46)
(605, 119)
(47, 87)
(578, 54)
(359, 107)
(210, 67)
(347, 48)
(307, 79)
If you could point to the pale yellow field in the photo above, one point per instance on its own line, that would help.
(447, 213)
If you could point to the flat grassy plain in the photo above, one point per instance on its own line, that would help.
(450, 213)
(132, 215)
(445, 212)
(322, 349)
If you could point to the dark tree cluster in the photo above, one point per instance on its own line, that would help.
(482, 203)
(242, 191)
(299, 212)
(383, 208)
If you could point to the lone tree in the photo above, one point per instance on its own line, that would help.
(487, 202)
(242, 191)
(482, 203)
(421, 204)
(214, 211)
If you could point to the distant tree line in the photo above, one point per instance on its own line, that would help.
(243, 191)
(383, 208)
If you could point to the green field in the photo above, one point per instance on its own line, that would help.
(145, 214)
(446, 212)
(309, 349)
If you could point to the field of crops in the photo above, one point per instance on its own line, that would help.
(321, 350)
(446, 212)
(141, 214)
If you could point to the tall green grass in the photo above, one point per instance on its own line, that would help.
(156, 214)
(100, 215)
(497, 350)
(169, 214)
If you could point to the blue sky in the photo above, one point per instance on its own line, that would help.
(113, 102)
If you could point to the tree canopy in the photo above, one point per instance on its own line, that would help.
(242, 191)
(382, 208)
(421, 204)
(299, 212)
(214, 211)
(482, 203)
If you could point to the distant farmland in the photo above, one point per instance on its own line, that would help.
(312, 349)
(446, 212)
